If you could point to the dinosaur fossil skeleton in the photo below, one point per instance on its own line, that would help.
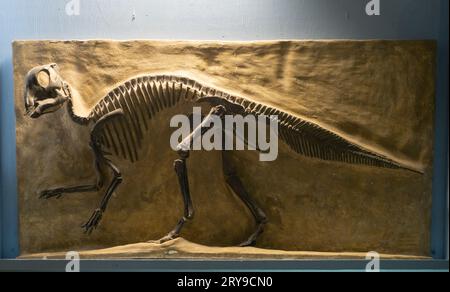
(119, 122)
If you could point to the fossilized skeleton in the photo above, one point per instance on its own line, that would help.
(120, 119)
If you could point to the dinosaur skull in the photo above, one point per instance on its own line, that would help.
(45, 91)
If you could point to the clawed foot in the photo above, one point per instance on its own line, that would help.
(168, 237)
(48, 194)
(93, 221)
(251, 241)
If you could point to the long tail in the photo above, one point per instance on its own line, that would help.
(310, 139)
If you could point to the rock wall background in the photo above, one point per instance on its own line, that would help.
(378, 93)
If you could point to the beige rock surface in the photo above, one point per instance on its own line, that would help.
(182, 249)
(377, 93)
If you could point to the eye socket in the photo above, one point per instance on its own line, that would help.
(43, 78)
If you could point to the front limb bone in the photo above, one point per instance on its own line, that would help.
(97, 215)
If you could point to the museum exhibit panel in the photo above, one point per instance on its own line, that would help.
(352, 172)
(238, 135)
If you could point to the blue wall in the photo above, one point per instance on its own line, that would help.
(217, 20)
(440, 185)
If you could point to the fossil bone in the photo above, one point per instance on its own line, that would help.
(121, 118)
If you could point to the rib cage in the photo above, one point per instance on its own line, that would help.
(144, 97)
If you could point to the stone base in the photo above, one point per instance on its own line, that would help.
(183, 249)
